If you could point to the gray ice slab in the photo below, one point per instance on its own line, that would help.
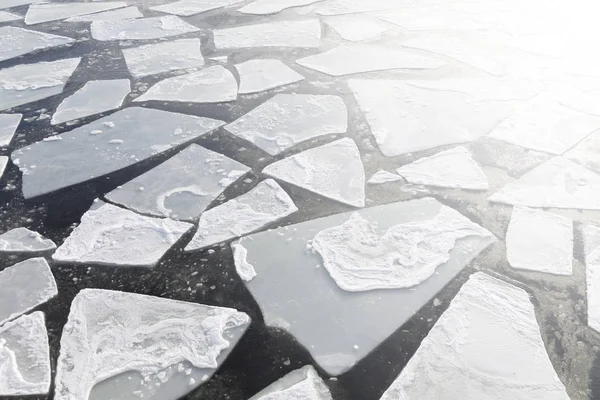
(8, 17)
(94, 97)
(45, 12)
(337, 327)
(265, 7)
(121, 13)
(15, 42)
(24, 84)
(185, 8)
(8, 127)
(22, 240)
(264, 74)
(304, 383)
(140, 29)
(104, 146)
(181, 187)
(285, 120)
(3, 164)
(119, 345)
(25, 286)
(162, 57)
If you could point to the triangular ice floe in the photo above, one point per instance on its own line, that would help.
(8, 127)
(8, 17)
(185, 8)
(155, 58)
(264, 74)
(22, 240)
(140, 29)
(15, 42)
(301, 384)
(591, 244)
(45, 12)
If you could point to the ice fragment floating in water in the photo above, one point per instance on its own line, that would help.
(259, 75)
(591, 244)
(244, 269)
(3, 164)
(382, 176)
(15, 42)
(121, 13)
(8, 127)
(22, 240)
(265, 7)
(163, 57)
(45, 12)
(185, 8)
(140, 29)
(8, 17)
(304, 383)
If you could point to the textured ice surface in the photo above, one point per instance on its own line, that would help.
(334, 170)
(264, 7)
(288, 270)
(477, 350)
(214, 84)
(111, 235)
(140, 29)
(433, 18)
(591, 243)
(15, 41)
(288, 119)
(185, 8)
(121, 13)
(109, 333)
(259, 75)
(243, 268)
(22, 240)
(357, 27)
(454, 168)
(3, 164)
(181, 187)
(556, 183)
(94, 97)
(104, 146)
(25, 286)
(348, 59)
(7, 17)
(45, 12)
(301, 384)
(24, 356)
(24, 84)
(305, 33)
(162, 57)
(382, 176)
(336, 7)
(540, 241)
(264, 204)
(8, 127)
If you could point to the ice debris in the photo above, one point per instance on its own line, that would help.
(383, 176)
(22, 240)
(304, 383)
(244, 269)
(8, 127)
(156, 58)
(140, 29)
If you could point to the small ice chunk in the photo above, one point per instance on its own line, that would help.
(306, 33)
(180, 188)
(8, 127)
(264, 74)
(591, 244)
(334, 170)
(15, 42)
(265, 7)
(356, 28)
(382, 176)
(185, 8)
(45, 12)
(121, 13)
(264, 204)
(94, 97)
(3, 164)
(452, 351)
(304, 383)
(214, 84)
(244, 269)
(140, 29)
(25, 286)
(109, 333)
(540, 241)
(24, 356)
(454, 168)
(111, 235)
(162, 57)
(221, 59)
(22, 240)
(8, 17)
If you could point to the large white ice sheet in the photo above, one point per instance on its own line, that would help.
(45, 12)
(162, 57)
(15, 42)
(264, 74)
(140, 29)
(306, 33)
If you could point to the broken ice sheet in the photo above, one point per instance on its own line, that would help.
(382, 176)
(113, 334)
(259, 75)
(3, 164)
(214, 84)
(104, 146)
(487, 317)
(265, 7)
(121, 13)
(140, 29)
(45, 12)
(111, 235)
(540, 241)
(15, 3)
(162, 57)
(25, 286)
(333, 170)
(8, 127)
(7, 17)
(289, 270)
(182, 187)
(357, 27)
(306, 33)
(27, 83)
(22, 240)
(348, 59)
(94, 97)
(288, 119)
(591, 244)
(453, 168)
(185, 8)
(24, 356)
(264, 204)
(304, 383)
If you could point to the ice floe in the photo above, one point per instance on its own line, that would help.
(22, 240)
(8, 127)
(26, 83)
(591, 243)
(303, 383)
(104, 146)
(110, 333)
(24, 356)
(382, 176)
(3, 164)
(140, 29)
(15, 42)
(288, 119)
(540, 241)
(336, 7)
(362, 319)
(94, 97)
(265, 7)
(185, 8)
(356, 28)
(348, 59)
(556, 183)
(487, 317)
(264, 204)
(25, 286)
(214, 84)
(121, 13)
(163, 57)
(306, 33)
(244, 269)
(45, 12)
(181, 187)
(8, 17)
(259, 75)
(333, 170)
(433, 18)
(454, 168)
(15, 3)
